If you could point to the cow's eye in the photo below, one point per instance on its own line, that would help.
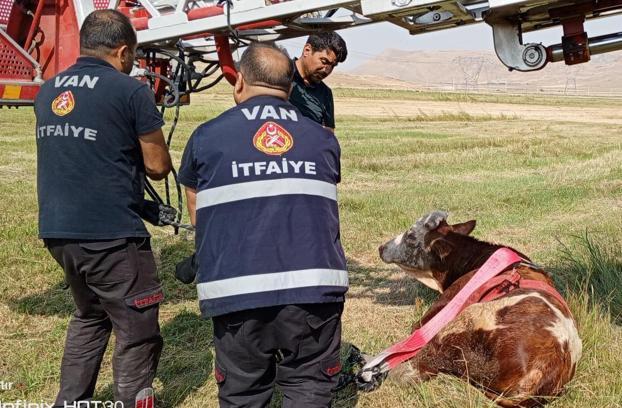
(411, 236)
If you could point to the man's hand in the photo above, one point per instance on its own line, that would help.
(155, 155)
(186, 270)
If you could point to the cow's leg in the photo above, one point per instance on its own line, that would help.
(462, 355)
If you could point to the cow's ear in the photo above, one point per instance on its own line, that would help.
(465, 228)
(443, 228)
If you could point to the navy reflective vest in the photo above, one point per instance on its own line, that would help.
(267, 218)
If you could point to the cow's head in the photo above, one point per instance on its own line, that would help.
(422, 249)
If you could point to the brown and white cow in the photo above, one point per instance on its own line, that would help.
(520, 349)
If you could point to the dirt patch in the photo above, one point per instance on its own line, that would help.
(410, 108)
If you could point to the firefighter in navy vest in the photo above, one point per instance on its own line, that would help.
(98, 133)
(261, 186)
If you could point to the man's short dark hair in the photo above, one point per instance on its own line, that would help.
(329, 40)
(104, 31)
(265, 64)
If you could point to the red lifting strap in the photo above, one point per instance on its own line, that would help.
(407, 349)
(225, 59)
(504, 284)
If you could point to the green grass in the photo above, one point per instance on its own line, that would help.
(551, 189)
(594, 269)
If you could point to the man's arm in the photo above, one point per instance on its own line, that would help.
(330, 112)
(191, 202)
(155, 155)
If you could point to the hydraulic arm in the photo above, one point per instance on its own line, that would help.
(186, 45)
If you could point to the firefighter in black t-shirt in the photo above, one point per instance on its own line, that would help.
(320, 55)
(98, 134)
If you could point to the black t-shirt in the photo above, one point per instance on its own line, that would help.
(314, 101)
(90, 170)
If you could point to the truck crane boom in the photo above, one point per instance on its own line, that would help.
(39, 38)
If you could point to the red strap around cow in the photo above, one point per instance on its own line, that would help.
(544, 287)
(501, 285)
(407, 349)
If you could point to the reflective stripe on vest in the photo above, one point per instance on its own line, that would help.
(272, 281)
(265, 188)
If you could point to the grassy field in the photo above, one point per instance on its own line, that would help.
(551, 189)
(413, 95)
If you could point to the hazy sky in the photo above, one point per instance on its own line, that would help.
(368, 41)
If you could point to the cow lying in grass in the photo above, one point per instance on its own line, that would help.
(520, 349)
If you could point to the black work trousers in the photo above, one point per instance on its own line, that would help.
(115, 287)
(295, 347)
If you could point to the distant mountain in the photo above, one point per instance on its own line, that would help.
(457, 70)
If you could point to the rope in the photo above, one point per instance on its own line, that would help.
(232, 31)
(183, 82)
(176, 102)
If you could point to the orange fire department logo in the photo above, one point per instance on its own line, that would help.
(63, 104)
(272, 139)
